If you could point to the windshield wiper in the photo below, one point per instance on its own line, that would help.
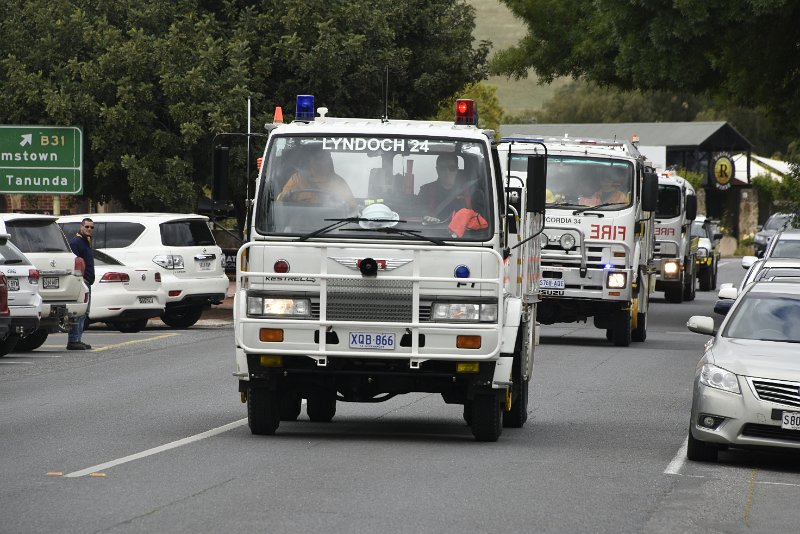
(408, 233)
(336, 224)
(603, 205)
(561, 205)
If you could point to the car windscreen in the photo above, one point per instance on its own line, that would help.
(380, 187)
(669, 201)
(583, 181)
(770, 273)
(699, 229)
(186, 233)
(765, 316)
(786, 248)
(776, 222)
(37, 236)
(10, 255)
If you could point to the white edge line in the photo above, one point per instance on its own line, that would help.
(156, 450)
(676, 465)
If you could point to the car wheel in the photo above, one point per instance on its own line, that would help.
(8, 344)
(705, 279)
(131, 327)
(321, 406)
(487, 417)
(32, 341)
(701, 451)
(263, 411)
(182, 317)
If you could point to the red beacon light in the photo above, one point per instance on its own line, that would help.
(466, 112)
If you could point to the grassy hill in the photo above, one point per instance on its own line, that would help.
(495, 23)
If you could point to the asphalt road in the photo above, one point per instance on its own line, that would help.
(146, 433)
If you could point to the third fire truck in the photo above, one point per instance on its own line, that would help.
(675, 250)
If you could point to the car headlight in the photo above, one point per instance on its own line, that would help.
(761, 239)
(719, 378)
(616, 280)
(169, 261)
(287, 307)
(702, 253)
(567, 241)
(670, 268)
(460, 311)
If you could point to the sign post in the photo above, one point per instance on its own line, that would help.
(41, 160)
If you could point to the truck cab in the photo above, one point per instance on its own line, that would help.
(675, 250)
(597, 243)
(386, 257)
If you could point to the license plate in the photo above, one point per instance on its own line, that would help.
(50, 282)
(204, 265)
(13, 284)
(791, 420)
(371, 340)
(145, 300)
(551, 283)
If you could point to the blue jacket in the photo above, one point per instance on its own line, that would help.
(82, 248)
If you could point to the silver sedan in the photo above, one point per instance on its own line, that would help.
(747, 384)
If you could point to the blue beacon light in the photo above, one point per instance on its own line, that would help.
(462, 271)
(305, 107)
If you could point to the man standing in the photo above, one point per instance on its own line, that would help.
(81, 246)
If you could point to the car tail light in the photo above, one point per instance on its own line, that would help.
(4, 295)
(79, 267)
(158, 277)
(115, 277)
(33, 276)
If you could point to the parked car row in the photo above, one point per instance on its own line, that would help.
(146, 265)
(747, 384)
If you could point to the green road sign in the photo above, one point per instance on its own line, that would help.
(41, 160)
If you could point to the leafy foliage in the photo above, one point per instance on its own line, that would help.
(151, 82)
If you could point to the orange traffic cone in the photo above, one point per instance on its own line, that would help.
(278, 118)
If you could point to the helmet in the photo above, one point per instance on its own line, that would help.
(378, 216)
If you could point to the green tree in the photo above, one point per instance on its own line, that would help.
(741, 52)
(151, 82)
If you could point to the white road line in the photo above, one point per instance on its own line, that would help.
(156, 450)
(20, 363)
(779, 484)
(676, 465)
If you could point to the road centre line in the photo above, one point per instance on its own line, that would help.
(133, 342)
(156, 450)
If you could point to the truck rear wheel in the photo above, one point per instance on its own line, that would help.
(291, 406)
(263, 411)
(321, 406)
(487, 417)
(516, 417)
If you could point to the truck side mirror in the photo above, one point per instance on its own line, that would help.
(691, 208)
(537, 183)
(650, 191)
(220, 189)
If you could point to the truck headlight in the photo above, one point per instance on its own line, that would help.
(702, 252)
(460, 311)
(616, 280)
(567, 241)
(670, 268)
(287, 307)
(719, 378)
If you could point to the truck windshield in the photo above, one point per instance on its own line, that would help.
(669, 201)
(584, 181)
(434, 188)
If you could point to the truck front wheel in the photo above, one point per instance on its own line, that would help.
(622, 333)
(263, 411)
(674, 294)
(705, 279)
(487, 417)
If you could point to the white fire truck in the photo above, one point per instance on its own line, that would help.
(597, 244)
(675, 249)
(387, 257)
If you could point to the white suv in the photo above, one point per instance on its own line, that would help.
(181, 245)
(61, 286)
(24, 300)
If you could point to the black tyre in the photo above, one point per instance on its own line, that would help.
(609, 334)
(639, 333)
(518, 415)
(182, 317)
(321, 406)
(714, 277)
(468, 413)
(689, 288)
(263, 411)
(32, 341)
(291, 405)
(130, 327)
(8, 344)
(622, 334)
(487, 417)
(674, 294)
(705, 279)
(701, 451)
